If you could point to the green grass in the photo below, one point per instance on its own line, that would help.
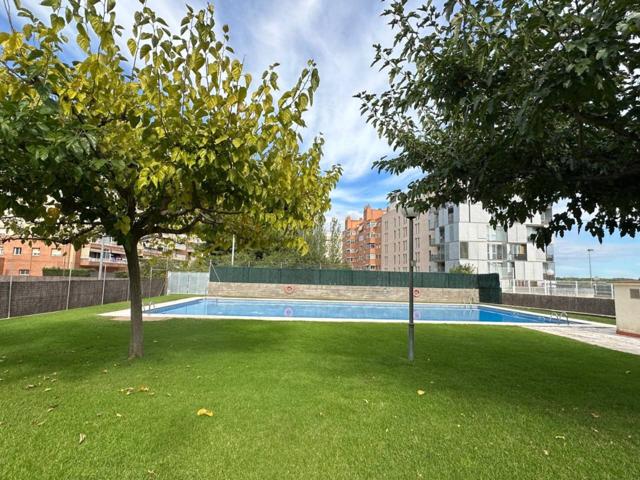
(296, 400)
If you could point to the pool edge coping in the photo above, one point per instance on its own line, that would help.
(118, 315)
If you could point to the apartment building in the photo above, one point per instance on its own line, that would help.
(361, 240)
(461, 235)
(395, 241)
(28, 258)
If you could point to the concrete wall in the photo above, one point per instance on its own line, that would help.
(333, 292)
(32, 297)
(628, 308)
(596, 306)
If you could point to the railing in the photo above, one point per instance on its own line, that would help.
(122, 261)
(436, 257)
(559, 288)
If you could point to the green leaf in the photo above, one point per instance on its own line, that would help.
(131, 44)
(82, 39)
(144, 50)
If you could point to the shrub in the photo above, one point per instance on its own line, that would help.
(64, 272)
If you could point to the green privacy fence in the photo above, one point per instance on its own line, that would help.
(487, 284)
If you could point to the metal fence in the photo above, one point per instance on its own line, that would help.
(19, 297)
(559, 288)
(194, 283)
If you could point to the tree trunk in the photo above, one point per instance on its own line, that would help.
(135, 295)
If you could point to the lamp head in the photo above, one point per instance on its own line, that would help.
(409, 212)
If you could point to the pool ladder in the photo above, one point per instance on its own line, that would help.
(559, 316)
(469, 304)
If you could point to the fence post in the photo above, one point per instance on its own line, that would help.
(9, 304)
(188, 282)
(104, 280)
(577, 290)
(529, 283)
(68, 289)
(150, 286)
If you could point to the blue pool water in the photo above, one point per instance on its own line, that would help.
(246, 308)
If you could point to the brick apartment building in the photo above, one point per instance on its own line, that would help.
(29, 258)
(361, 240)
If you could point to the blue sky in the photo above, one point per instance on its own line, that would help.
(338, 35)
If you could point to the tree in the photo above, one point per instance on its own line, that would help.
(275, 255)
(162, 136)
(466, 268)
(334, 249)
(518, 105)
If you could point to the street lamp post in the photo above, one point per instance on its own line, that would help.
(410, 214)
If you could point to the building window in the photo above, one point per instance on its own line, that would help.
(496, 251)
(464, 250)
(23, 272)
(496, 235)
(56, 252)
(17, 250)
(35, 252)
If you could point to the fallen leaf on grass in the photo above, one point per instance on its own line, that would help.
(48, 389)
(83, 437)
(595, 415)
(560, 437)
(119, 415)
(203, 412)
(30, 386)
(421, 392)
(143, 388)
(51, 408)
(546, 452)
(105, 371)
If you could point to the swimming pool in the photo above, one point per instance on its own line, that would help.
(346, 311)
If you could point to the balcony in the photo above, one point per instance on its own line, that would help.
(522, 257)
(109, 262)
(436, 257)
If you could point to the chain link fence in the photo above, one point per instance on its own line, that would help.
(193, 283)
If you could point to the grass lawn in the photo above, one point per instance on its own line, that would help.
(295, 400)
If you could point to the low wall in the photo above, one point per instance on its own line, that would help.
(628, 308)
(340, 292)
(40, 296)
(596, 306)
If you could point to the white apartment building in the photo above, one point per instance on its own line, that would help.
(461, 235)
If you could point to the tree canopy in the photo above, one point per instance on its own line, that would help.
(518, 105)
(131, 134)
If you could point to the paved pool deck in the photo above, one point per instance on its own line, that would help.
(602, 336)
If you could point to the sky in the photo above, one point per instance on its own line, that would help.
(338, 35)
